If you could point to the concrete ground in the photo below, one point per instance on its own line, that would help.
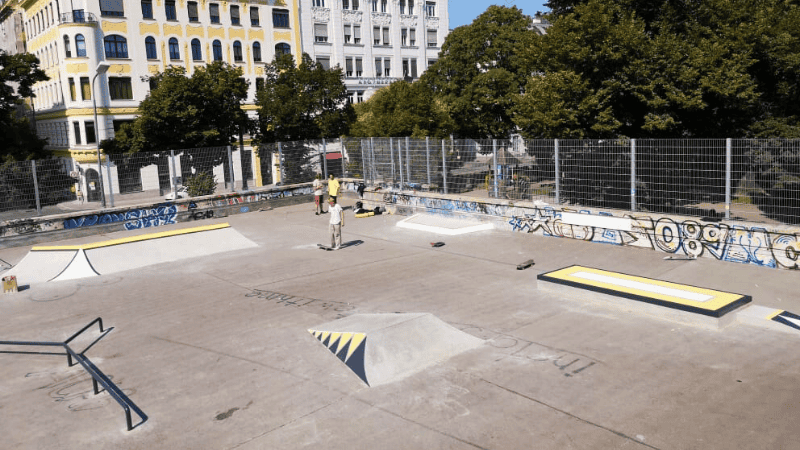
(217, 361)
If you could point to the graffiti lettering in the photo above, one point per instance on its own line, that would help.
(323, 306)
(133, 219)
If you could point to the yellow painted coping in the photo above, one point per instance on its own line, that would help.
(128, 240)
(678, 296)
(775, 313)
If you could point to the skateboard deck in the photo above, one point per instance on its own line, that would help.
(325, 247)
(525, 265)
(437, 244)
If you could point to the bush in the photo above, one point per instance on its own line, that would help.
(202, 183)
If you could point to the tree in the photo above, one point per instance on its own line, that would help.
(480, 69)
(300, 103)
(185, 113)
(18, 74)
(402, 109)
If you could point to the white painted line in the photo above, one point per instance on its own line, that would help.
(791, 319)
(631, 284)
(593, 220)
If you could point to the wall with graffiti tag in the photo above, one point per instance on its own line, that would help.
(741, 242)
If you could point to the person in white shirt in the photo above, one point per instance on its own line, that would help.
(336, 223)
(317, 185)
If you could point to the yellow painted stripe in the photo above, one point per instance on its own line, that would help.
(128, 240)
(334, 338)
(354, 343)
(324, 336)
(777, 312)
(717, 299)
(342, 342)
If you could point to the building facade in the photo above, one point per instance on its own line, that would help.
(375, 42)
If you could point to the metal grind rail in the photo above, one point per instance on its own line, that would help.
(98, 377)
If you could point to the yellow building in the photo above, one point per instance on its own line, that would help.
(106, 49)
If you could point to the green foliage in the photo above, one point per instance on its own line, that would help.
(302, 102)
(18, 74)
(402, 109)
(776, 169)
(201, 183)
(481, 68)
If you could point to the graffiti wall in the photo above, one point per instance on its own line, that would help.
(742, 243)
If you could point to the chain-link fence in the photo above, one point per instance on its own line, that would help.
(744, 179)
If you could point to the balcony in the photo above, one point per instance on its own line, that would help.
(77, 16)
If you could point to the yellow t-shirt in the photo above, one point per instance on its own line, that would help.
(333, 187)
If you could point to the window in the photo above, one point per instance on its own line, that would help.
(235, 20)
(409, 67)
(348, 67)
(150, 47)
(90, 136)
(403, 6)
(325, 62)
(320, 32)
(259, 84)
(152, 83)
(432, 42)
(377, 33)
(116, 46)
(254, 16)
(318, 3)
(356, 34)
(77, 127)
(385, 64)
(404, 37)
(237, 51)
(282, 49)
(213, 11)
(192, 10)
(383, 6)
(147, 9)
(430, 9)
(280, 18)
(72, 89)
(359, 67)
(67, 51)
(119, 88)
(197, 51)
(86, 88)
(174, 49)
(80, 45)
(217, 47)
(112, 8)
(410, 7)
(256, 52)
(386, 36)
(412, 37)
(347, 33)
(345, 4)
(360, 97)
(169, 9)
(374, 5)
(387, 67)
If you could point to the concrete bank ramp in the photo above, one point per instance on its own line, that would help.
(447, 225)
(68, 262)
(384, 348)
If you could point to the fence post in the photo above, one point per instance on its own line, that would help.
(633, 174)
(363, 162)
(728, 164)
(400, 161)
(444, 168)
(174, 176)
(558, 174)
(494, 167)
(230, 169)
(391, 156)
(110, 181)
(342, 152)
(324, 157)
(36, 188)
(280, 163)
(428, 159)
(408, 162)
(372, 160)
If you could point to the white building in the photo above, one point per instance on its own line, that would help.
(375, 42)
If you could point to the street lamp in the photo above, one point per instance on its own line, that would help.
(101, 68)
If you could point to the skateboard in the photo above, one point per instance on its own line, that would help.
(681, 257)
(325, 247)
(525, 265)
(437, 244)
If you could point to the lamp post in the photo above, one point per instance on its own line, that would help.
(102, 67)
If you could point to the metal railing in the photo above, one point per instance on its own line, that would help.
(98, 377)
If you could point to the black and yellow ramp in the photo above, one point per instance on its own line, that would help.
(614, 285)
(383, 348)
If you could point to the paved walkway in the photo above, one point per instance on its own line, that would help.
(218, 360)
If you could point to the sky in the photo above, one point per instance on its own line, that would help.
(463, 12)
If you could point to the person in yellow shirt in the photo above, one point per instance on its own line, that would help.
(333, 188)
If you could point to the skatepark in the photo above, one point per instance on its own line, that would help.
(241, 334)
